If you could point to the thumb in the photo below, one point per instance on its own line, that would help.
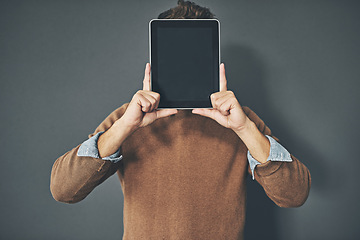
(165, 113)
(204, 112)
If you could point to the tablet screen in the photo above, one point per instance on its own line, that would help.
(184, 62)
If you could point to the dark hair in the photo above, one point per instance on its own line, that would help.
(186, 10)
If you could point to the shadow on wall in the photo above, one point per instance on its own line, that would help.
(246, 75)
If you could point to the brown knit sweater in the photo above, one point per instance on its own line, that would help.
(183, 177)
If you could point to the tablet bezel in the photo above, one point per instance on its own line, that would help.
(185, 104)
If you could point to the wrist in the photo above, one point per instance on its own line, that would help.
(256, 142)
(122, 128)
(246, 129)
(111, 140)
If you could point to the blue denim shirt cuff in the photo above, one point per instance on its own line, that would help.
(277, 153)
(89, 149)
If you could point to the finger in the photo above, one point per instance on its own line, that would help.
(223, 108)
(146, 82)
(226, 106)
(165, 113)
(219, 94)
(223, 82)
(154, 94)
(153, 101)
(218, 103)
(157, 102)
(144, 103)
(218, 98)
(211, 113)
(204, 112)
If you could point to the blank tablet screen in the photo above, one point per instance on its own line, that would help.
(184, 62)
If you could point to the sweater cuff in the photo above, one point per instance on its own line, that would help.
(89, 149)
(278, 154)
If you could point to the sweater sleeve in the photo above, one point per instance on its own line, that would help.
(89, 148)
(287, 184)
(73, 177)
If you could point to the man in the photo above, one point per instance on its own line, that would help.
(183, 173)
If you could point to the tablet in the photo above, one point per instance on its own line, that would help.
(185, 60)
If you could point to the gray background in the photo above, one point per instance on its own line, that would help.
(65, 65)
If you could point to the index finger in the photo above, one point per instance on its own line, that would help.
(146, 82)
(223, 82)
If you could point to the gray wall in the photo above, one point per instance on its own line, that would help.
(65, 65)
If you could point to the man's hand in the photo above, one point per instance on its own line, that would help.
(142, 109)
(226, 109)
(228, 112)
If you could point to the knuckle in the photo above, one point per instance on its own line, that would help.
(157, 96)
(153, 99)
(136, 96)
